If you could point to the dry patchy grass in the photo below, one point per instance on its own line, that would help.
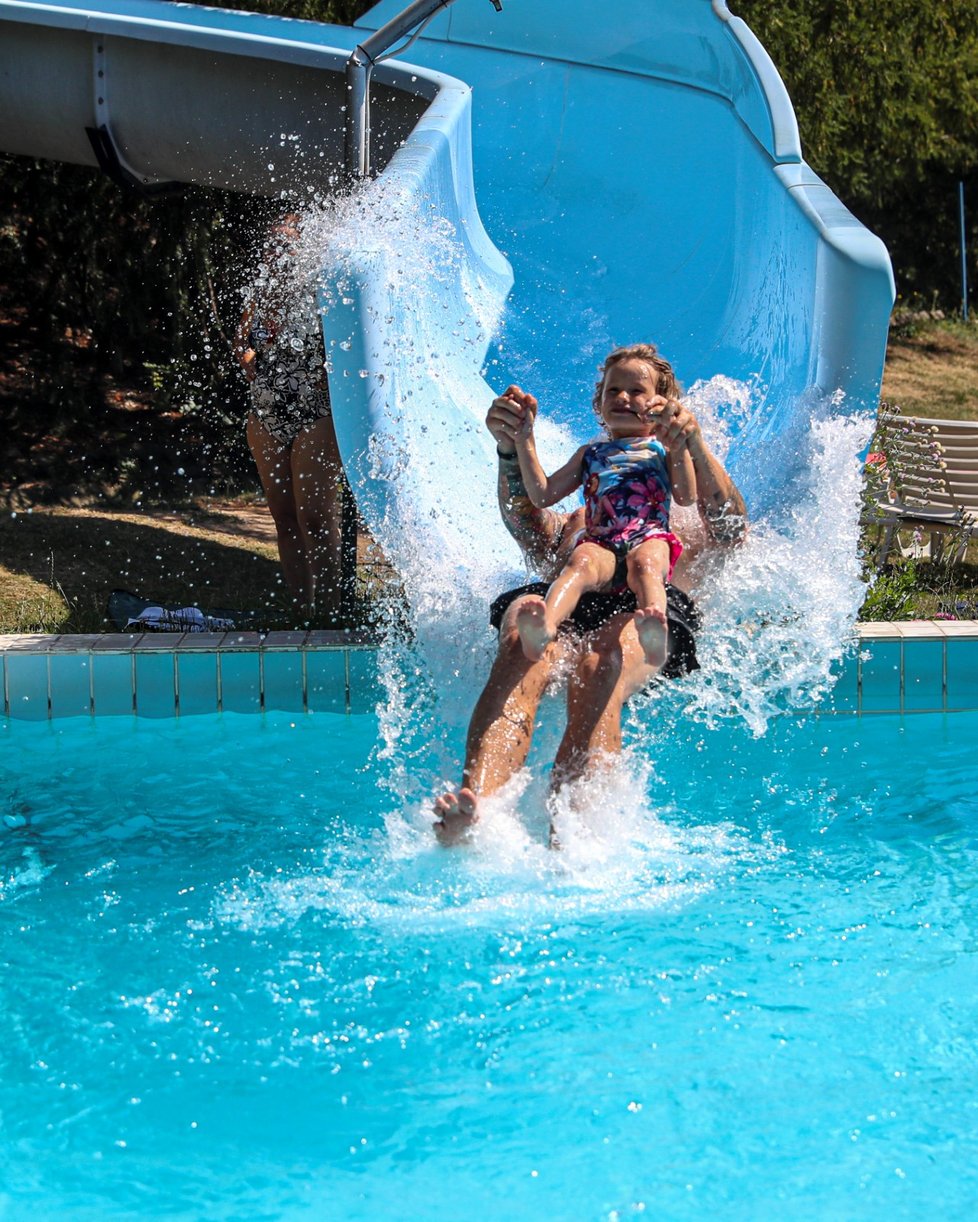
(60, 565)
(934, 371)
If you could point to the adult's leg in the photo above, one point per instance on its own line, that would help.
(501, 728)
(588, 568)
(608, 670)
(317, 475)
(274, 465)
(648, 569)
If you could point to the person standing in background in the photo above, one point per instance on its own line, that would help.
(290, 427)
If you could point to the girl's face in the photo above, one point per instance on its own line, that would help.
(628, 396)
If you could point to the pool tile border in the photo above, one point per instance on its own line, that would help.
(172, 674)
(919, 666)
(915, 666)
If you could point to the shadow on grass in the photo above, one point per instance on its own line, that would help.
(57, 569)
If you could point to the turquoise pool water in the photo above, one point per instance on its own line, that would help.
(239, 980)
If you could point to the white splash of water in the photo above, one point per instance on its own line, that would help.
(776, 615)
(780, 611)
(30, 874)
(617, 854)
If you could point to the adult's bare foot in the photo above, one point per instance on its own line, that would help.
(456, 814)
(531, 624)
(653, 634)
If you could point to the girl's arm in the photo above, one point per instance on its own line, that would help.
(682, 474)
(543, 489)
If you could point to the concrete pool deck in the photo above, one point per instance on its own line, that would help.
(920, 666)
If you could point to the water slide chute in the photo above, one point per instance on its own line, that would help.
(639, 164)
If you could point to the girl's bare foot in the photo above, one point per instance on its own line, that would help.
(456, 814)
(531, 623)
(653, 634)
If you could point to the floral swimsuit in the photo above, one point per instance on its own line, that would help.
(627, 496)
(289, 391)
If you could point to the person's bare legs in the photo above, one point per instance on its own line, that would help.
(274, 464)
(501, 728)
(317, 484)
(588, 568)
(648, 567)
(611, 668)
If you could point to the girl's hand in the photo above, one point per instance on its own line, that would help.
(510, 418)
(672, 423)
(247, 359)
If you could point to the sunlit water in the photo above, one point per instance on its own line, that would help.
(239, 980)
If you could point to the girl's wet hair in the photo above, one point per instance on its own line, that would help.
(663, 373)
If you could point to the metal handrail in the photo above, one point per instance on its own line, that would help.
(360, 65)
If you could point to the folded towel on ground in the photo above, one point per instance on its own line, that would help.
(183, 619)
(131, 613)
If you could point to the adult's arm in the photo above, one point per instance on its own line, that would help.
(682, 475)
(718, 498)
(537, 531)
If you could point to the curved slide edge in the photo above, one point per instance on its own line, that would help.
(412, 294)
(757, 272)
(785, 141)
(676, 42)
(855, 290)
(854, 277)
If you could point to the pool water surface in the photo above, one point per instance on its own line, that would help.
(240, 980)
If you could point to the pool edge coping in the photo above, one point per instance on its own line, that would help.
(126, 642)
(171, 642)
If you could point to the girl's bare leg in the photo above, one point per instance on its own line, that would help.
(648, 566)
(274, 464)
(588, 568)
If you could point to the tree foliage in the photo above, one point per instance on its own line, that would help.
(887, 102)
(119, 291)
(339, 12)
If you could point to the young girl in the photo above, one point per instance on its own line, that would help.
(628, 482)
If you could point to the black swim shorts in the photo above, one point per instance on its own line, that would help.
(596, 609)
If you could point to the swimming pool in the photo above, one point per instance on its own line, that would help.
(240, 980)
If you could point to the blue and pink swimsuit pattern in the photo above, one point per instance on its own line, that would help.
(627, 495)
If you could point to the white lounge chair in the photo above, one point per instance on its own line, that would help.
(932, 473)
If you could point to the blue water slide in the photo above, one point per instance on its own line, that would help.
(638, 164)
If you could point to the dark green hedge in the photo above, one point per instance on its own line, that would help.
(887, 103)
